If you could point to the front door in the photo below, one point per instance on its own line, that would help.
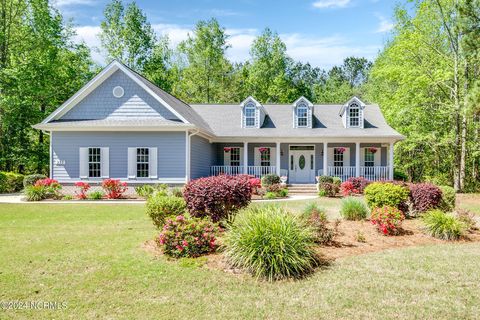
(302, 164)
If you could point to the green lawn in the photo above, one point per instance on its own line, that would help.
(90, 256)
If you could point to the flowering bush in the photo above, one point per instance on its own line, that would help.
(84, 187)
(217, 197)
(359, 183)
(188, 237)
(387, 219)
(114, 188)
(51, 187)
(425, 196)
(347, 188)
(255, 184)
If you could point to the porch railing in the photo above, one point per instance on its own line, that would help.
(342, 172)
(375, 173)
(257, 171)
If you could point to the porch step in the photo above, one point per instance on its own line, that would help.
(302, 189)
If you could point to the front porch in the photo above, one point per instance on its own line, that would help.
(301, 163)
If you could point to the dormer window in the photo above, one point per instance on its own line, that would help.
(250, 115)
(302, 113)
(354, 115)
(302, 116)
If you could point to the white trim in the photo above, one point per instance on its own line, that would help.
(391, 171)
(252, 99)
(50, 150)
(357, 159)
(278, 156)
(303, 99)
(129, 181)
(47, 127)
(98, 80)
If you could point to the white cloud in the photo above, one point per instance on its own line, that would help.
(322, 52)
(323, 4)
(66, 3)
(385, 24)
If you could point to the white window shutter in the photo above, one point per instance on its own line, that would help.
(362, 157)
(83, 163)
(377, 157)
(257, 157)
(241, 156)
(273, 156)
(105, 162)
(226, 158)
(152, 163)
(330, 157)
(132, 163)
(346, 157)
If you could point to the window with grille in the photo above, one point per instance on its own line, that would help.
(337, 158)
(354, 115)
(142, 163)
(265, 158)
(302, 116)
(94, 162)
(311, 162)
(235, 157)
(250, 115)
(369, 158)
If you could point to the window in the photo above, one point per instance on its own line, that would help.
(250, 115)
(369, 158)
(235, 157)
(142, 163)
(311, 162)
(291, 162)
(354, 115)
(337, 158)
(94, 162)
(302, 116)
(265, 157)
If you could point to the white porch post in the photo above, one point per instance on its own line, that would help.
(325, 159)
(277, 158)
(245, 157)
(357, 159)
(391, 161)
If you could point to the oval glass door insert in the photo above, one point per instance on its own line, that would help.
(301, 162)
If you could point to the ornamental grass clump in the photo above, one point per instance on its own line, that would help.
(271, 243)
(442, 225)
(353, 209)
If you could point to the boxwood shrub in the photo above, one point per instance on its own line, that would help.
(270, 179)
(380, 194)
(270, 242)
(10, 182)
(160, 207)
(217, 197)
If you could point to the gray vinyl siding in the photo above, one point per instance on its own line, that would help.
(135, 103)
(202, 157)
(171, 151)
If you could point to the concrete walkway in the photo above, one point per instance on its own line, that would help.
(19, 198)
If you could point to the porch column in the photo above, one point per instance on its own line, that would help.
(245, 157)
(325, 158)
(357, 159)
(277, 158)
(391, 161)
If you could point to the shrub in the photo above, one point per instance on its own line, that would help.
(399, 175)
(443, 225)
(68, 197)
(11, 182)
(3, 182)
(468, 219)
(31, 179)
(387, 219)
(188, 237)
(347, 188)
(270, 195)
(176, 192)
(325, 179)
(144, 191)
(337, 182)
(359, 184)
(381, 194)
(51, 186)
(114, 189)
(353, 209)
(282, 193)
(160, 207)
(274, 188)
(95, 195)
(271, 243)
(270, 179)
(425, 196)
(447, 203)
(327, 189)
(255, 184)
(317, 219)
(83, 188)
(35, 193)
(217, 197)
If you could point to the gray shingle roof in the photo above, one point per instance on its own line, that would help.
(224, 120)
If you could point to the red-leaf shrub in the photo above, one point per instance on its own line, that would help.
(425, 196)
(82, 193)
(114, 189)
(327, 189)
(47, 182)
(347, 188)
(359, 183)
(387, 219)
(217, 197)
(51, 187)
(190, 237)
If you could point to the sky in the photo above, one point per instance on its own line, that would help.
(322, 32)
